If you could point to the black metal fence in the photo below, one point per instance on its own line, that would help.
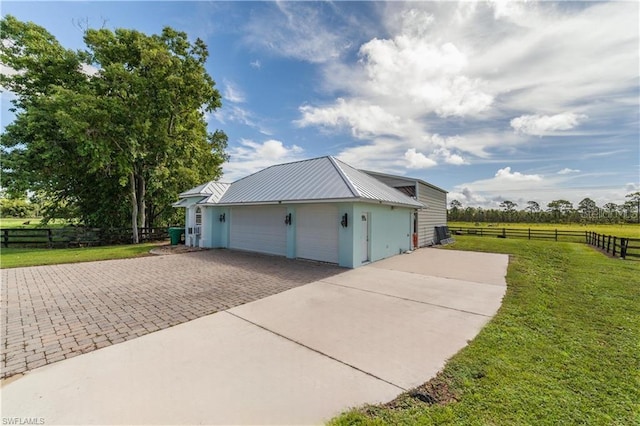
(72, 236)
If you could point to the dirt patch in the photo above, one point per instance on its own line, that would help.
(177, 249)
(436, 391)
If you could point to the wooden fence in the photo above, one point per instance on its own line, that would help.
(76, 236)
(528, 233)
(615, 246)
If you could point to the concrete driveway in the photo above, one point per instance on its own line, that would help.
(297, 357)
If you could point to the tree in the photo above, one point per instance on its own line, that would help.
(119, 142)
(559, 208)
(454, 211)
(634, 199)
(532, 207)
(587, 208)
(509, 208)
(611, 209)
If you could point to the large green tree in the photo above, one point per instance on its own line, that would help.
(115, 131)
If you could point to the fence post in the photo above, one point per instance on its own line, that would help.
(5, 237)
(529, 233)
(504, 233)
(481, 232)
(614, 246)
(556, 234)
(50, 237)
(623, 247)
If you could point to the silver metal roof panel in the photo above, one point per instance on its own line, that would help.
(317, 179)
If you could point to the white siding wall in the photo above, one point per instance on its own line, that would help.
(434, 215)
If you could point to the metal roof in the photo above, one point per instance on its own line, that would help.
(213, 188)
(317, 179)
(369, 187)
(189, 201)
(404, 178)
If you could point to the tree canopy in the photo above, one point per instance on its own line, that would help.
(112, 133)
(557, 211)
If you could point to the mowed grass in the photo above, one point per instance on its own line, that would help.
(18, 257)
(626, 230)
(12, 222)
(564, 347)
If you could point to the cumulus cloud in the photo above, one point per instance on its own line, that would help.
(250, 156)
(365, 120)
(429, 75)
(417, 160)
(442, 63)
(507, 175)
(540, 125)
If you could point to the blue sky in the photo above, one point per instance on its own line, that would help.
(491, 101)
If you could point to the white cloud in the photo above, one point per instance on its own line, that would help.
(507, 175)
(233, 93)
(89, 69)
(256, 64)
(364, 120)
(235, 114)
(296, 30)
(428, 75)
(249, 157)
(567, 171)
(417, 160)
(540, 125)
(462, 66)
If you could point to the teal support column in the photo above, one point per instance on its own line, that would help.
(291, 233)
(346, 249)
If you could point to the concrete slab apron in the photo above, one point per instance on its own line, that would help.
(298, 357)
(214, 370)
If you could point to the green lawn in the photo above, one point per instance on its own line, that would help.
(34, 222)
(17, 257)
(563, 349)
(627, 230)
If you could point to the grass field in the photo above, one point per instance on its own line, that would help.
(17, 257)
(12, 222)
(631, 230)
(564, 347)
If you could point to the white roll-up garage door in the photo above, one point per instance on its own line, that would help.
(260, 228)
(317, 232)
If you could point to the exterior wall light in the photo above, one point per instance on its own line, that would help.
(222, 217)
(287, 219)
(345, 220)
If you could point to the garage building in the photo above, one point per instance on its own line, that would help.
(319, 209)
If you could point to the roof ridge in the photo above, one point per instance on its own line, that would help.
(281, 164)
(334, 161)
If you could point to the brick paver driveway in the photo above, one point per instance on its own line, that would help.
(50, 313)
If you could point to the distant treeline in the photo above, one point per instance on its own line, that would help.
(557, 211)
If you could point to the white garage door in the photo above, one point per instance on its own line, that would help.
(317, 232)
(259, 228)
